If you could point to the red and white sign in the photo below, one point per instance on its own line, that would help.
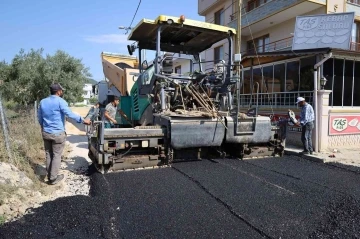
(291, 127)
(344, 124)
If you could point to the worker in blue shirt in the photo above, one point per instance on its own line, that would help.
(51, 116)
(306, 121)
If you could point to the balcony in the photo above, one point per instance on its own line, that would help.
(353, 6)
(283, 44)
(286, 44)
(265, 14)
(204, 5)
(356, 2)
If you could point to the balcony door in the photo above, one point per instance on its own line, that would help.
(259, 44)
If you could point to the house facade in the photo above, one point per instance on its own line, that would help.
(184, 64)
(274, 75)
(87, 93)
(268, 25)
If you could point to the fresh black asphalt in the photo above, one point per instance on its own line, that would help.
(262, 198)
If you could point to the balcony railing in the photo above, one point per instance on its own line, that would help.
(355, 46)
(286, 43)
(354, 1)
(272, 46)
(252, 4)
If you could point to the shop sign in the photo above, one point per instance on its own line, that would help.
(344, 124)
(325, 30)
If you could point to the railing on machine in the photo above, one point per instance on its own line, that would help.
(274, 99)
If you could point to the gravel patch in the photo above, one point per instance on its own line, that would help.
(24, 201)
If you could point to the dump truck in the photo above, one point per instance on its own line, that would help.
(165, 117)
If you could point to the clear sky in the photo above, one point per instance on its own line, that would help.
(81, 28)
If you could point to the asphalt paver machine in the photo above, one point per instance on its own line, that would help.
(167, 117)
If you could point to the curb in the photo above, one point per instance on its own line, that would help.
(308, 157)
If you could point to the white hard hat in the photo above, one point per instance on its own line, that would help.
(299, 99)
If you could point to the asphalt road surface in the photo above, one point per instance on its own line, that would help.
(269, 198)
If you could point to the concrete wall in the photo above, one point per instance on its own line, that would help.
(335, 6)
(203, 5)
(353, 8)
(266, 9)
(343, 141)
(283, 30)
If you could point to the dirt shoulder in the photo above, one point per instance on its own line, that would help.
(74, 164)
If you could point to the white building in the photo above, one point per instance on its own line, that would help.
(87, 93)
(267, 31)
(182, 64)
(268, 25)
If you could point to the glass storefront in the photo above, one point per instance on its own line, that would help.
(286, 80)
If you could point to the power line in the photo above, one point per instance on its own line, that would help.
(135, 14)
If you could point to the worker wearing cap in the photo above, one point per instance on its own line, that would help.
(51, 116)
(306, 121)
(110, 112)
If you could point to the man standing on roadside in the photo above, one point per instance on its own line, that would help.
(307, 118)
(51, 116)
(110, 112)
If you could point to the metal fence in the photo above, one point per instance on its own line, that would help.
(5, 129)
(7, 115)
(275, 99)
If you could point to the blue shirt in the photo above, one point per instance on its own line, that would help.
(307, 114)
(51, 114)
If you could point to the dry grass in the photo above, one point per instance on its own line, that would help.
(26, 145)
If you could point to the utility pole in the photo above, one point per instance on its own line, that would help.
(238, 32)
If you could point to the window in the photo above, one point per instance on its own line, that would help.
(307, 74)
(279, 77)
(268, 72)
(343, 79)
(348, 83)
(261, 44)
(292, 76)
(252, 4)
(147, 75)
(178, 70)
(220, 17)
(218, 54)
(355, 36)
(338, 82)
(356, 90)
(354, 1)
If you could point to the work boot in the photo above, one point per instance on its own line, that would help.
(57, 179)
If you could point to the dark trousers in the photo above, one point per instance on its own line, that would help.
(306, 136)
(54, 146)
